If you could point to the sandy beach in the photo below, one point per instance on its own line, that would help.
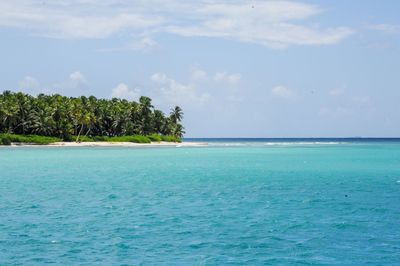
(112, 144)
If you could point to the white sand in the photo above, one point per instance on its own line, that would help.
(113, 144)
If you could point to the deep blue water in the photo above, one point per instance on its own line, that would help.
(236, 202)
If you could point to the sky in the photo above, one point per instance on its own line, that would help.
(238, 68)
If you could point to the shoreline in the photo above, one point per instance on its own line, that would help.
(110, 144)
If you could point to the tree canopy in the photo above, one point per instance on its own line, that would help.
(72, 117)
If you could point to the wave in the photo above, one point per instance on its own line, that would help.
(305, 143)
(240, 144)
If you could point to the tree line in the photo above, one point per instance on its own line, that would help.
(72, 117)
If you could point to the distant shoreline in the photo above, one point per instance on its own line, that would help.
(110, 144)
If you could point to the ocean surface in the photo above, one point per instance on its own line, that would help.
(234, 202)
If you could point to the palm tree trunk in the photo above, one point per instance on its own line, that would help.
(87, 132)
(80, 131)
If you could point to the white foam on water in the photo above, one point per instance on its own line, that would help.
(301, 143)
(228, 144)
(258, 144)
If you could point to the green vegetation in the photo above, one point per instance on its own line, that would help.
(170, 139)
(7, 139)
(51, 118)
(155, 137)
(136, 139)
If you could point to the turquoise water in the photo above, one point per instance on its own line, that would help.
(294, 204)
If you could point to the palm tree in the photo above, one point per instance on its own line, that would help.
(87, 120)
(9, 112)
(41, 122)
(159, 121)
(24, 108)
(176, 115)
(178, 131)
(145, 112)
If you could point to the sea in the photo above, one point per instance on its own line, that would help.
(232, 202)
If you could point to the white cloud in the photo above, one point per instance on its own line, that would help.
(226, 77)
(275, 24)
(386, 28)
(77, 78)
(160, 78)
(282, 92)
(122, 91)
(146, 44)
(75, 83)
(29, 83)
(336, 92)
(176, 93)
(199, 74)
(62, 19)
(262, 22)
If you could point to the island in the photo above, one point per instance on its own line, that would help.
(71, 121)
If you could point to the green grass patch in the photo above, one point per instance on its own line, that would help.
(84, 139)
(7, 139)
(134, 138)
(171, 139)
(155, 137)
(100, 138)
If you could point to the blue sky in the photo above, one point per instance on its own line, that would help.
(238, 68)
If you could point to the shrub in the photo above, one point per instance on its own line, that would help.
(155, 137)
(41, 140)
(67, 137)
(134, 138)
(142, 139)
(171, 139)
(5, 141)
(100, 138)
(85, 139)
(35, 139)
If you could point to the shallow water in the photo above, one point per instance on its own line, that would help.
(301, 204)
